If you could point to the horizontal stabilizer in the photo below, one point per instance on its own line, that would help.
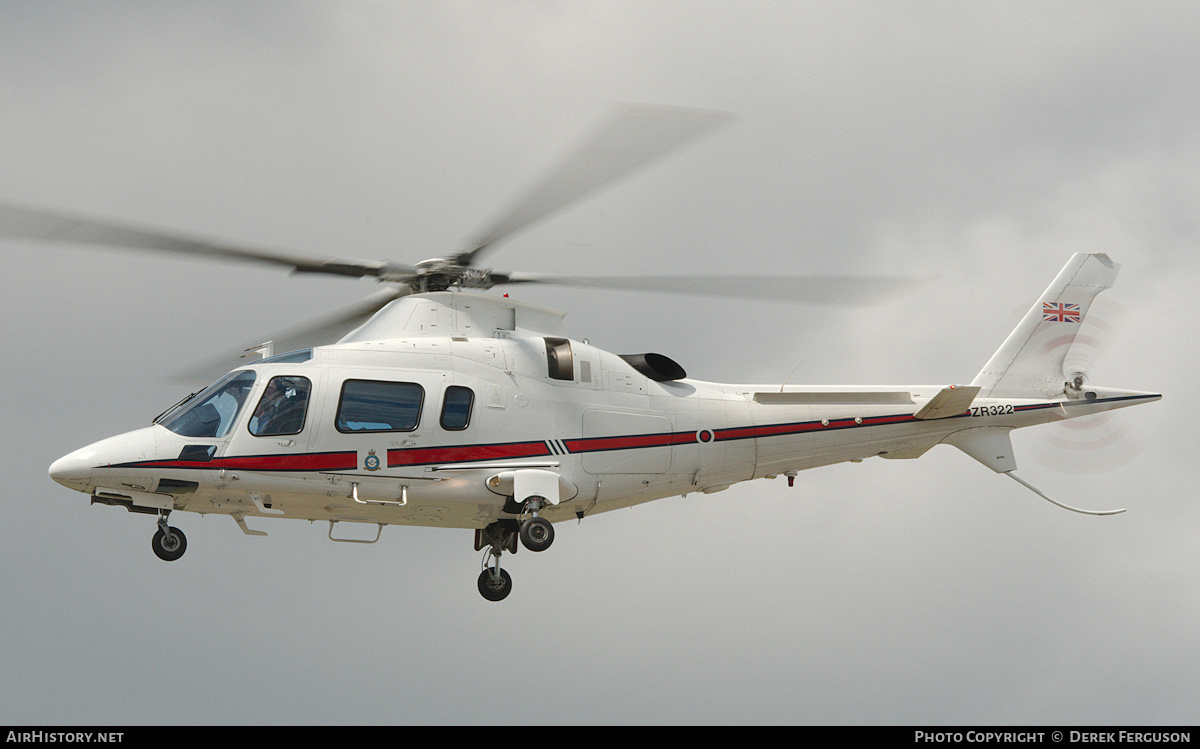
(950, 401)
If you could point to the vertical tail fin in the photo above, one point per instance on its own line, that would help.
(1030, 362)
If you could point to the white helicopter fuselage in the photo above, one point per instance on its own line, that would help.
(459, 410)
(613, 434)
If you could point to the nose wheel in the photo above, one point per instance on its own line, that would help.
(168, 543)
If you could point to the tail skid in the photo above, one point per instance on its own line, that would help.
(1038, 492)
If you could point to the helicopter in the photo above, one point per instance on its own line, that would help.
(440, 405)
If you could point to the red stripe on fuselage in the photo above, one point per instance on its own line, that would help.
(464, 454)
(778, 430)
(596, 444)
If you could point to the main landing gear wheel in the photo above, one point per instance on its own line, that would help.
(168, 543)
(495, 584)
(537, 534)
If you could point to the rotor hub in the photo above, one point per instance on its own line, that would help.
(442, 273)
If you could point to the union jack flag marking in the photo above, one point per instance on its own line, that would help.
(1059, 312)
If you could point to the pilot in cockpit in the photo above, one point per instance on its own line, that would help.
(281, 408)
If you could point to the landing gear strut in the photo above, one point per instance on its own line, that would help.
(168, 543)
(536, 534)
(494, 583)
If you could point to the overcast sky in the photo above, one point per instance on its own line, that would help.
(983, 143)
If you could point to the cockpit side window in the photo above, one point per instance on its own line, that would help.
(281, 408)
(456, 407)
(211, 413)
(559, 360)
(371, 406)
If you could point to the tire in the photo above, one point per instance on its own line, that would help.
(537, 534)
(494, 590)
(169, 547)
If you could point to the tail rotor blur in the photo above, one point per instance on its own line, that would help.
(1101, 442)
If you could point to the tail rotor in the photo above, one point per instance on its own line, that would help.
(1100, 442)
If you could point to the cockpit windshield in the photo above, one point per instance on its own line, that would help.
(211, 413)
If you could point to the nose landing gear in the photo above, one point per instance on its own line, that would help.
(168, 543)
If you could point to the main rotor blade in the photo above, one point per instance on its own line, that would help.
(634, 137)
(49, 226)
(851, 291)
(316, 332)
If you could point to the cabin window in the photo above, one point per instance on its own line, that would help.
(281, 408)
(211, 413)
(456, 407)
(558, 359)
(371, 406)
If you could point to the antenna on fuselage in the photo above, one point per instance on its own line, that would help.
(785, 380)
